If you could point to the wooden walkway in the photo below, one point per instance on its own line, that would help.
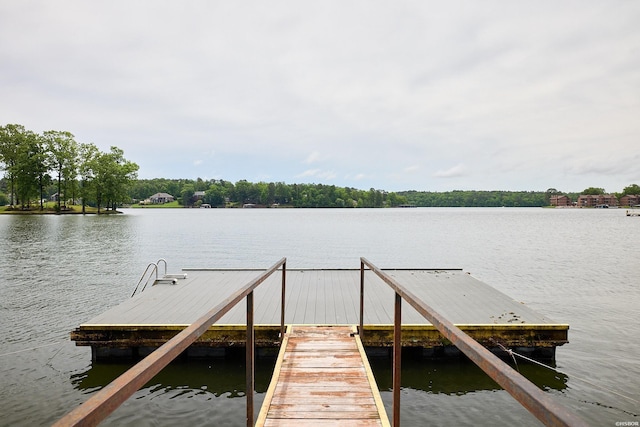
(322, 377)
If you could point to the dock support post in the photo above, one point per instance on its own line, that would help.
(250, 359)
(361, 330)
(284, 277)
(397, 358)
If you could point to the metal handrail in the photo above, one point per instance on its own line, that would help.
(155, 269)
(525, 392)
(104, 402)
(162, 260)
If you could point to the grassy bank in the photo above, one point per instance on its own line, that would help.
(173, 204)
(50, 209)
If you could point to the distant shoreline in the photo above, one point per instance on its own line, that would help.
(72, 210)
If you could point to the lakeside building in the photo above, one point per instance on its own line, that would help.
(160, 198)
(593, 200)
(561, 201)
(630, 200)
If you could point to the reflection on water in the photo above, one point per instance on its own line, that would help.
(196, 390)
(456, 377)
(216, 376)
(226, 376)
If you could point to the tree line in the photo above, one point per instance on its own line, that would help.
(472, 198)
(460, 198)
(35, 165)
(34, 162)
(226, 193)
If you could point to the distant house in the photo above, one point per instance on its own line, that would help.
(630, 200)
(561, 201)
(160, 198)
(593, 200)
(198, 195)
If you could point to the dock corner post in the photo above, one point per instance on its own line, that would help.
(361, 331)
(397, 358)
(250, 359)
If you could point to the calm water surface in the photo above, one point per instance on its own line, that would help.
(575, 266)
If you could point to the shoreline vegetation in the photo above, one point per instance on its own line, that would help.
(243, 194)
(52, 173)
(51, 209)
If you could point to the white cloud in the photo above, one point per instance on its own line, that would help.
(523, 92)
(455, 171)
(308, 172)
(314, 157)
(317, 173)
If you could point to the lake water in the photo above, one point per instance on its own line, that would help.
(579, 267)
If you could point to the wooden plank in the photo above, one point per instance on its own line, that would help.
(295, 413)
(319, 422)
(320, 375)
(349, 399)
(320, 362)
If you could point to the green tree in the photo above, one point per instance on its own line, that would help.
(25, 169)
(11, 137)
(88, 155)
(113, 177)
(215, 195)
(26, 165)
(631, 190)
(4, 200)
(39, 166)
(245, 192)
(593, 191)
(551, 192)
(271, 193)
(63, 150)
(283, 193)
(186, 194)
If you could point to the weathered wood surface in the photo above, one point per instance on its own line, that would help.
(322, 377)
(322, 297)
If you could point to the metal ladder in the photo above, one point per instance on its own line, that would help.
(151, 271)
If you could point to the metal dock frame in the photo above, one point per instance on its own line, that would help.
(525, 392)
(107, 400)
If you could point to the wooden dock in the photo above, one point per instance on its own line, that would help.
(322, 377)
(322, 374)
(317, 297)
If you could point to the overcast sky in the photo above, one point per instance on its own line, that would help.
(395, 95)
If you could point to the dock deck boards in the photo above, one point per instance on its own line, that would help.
(329, 297)
(321, 297)
(322, 376)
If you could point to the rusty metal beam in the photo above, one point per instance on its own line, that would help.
(361, 330)
(282, 300)
(104, 402)
(250, 366)
(525, 392)
(397, 358)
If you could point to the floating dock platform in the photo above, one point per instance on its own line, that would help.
(327, 297)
